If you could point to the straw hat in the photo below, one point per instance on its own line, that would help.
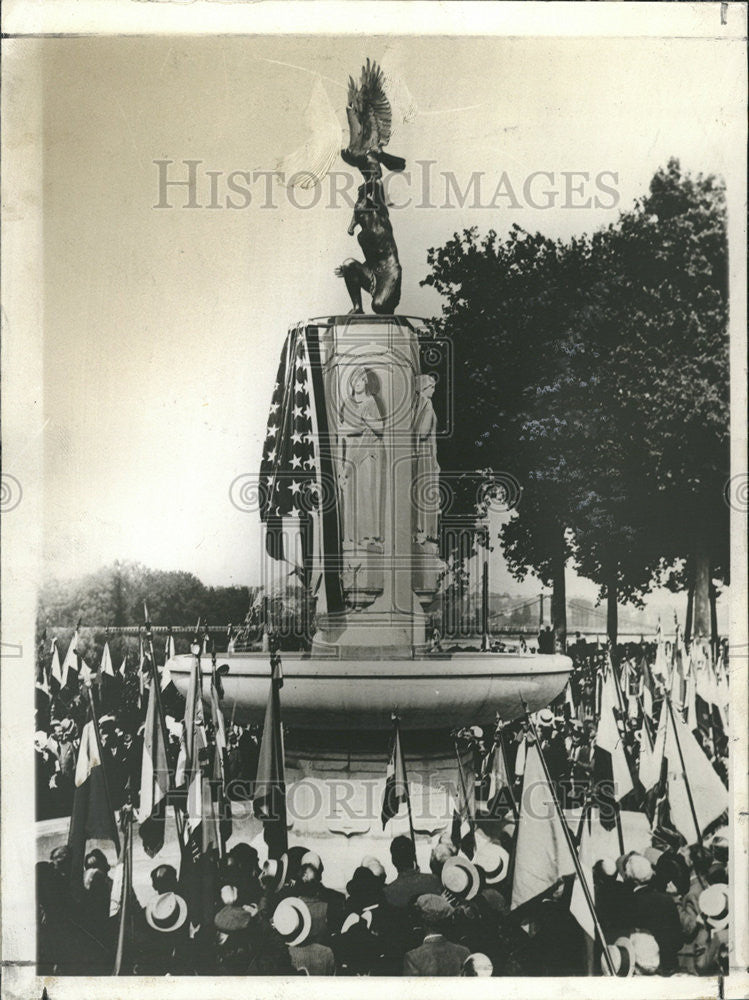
(461, 878)
(622, 955)
(546, 717)
(714, 906)
(494, 861)
(477, 964)
(274, 873)
(167, 912)
(293, 920)
(647, 953)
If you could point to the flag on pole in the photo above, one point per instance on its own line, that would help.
(660, 666)
(124, 956)
(297, 466)
(611, 774)
(55, 674)
(218, 782)
(141, 672)
(499, 794)
(396, 784)
(696, 794)
(542, 855)
(269, 800)
(651, 758)
(108, 680)
(595, 843)
(71, 663)
(193, 726)
(169, 653)
(92, 815)
(154, 780)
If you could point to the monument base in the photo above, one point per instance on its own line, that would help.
(376, 635)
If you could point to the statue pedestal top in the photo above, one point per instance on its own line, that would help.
(370, 377)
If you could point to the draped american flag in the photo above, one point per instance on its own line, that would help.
(296, 471)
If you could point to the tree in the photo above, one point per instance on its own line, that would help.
(507, 311)
(656, 357)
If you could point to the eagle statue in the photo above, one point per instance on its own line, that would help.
(370, 120)
(370, 124)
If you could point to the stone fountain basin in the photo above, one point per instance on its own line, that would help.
(428, 692)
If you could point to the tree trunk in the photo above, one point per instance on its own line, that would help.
(690, 614)
(559, 597)
(713, 619)
(612, 609)
(701, 613)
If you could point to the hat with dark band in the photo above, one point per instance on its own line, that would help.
(293, 920)
(167, 912)
(461, 878)
(494, 861)
(714, 905)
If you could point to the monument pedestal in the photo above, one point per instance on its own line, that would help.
(370, 372)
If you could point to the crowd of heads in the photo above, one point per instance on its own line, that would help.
(661, 911)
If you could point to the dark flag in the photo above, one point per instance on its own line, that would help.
(71, 667)
(43, 699)
(269, 800)
(55, 672)
(396, 783)
(92, 816)
(463, 829)
(296, 471)
(154, 780)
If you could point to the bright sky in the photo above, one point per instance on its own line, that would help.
(163, 326)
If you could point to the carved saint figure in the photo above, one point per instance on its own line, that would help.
(426, 470)
(361, 427)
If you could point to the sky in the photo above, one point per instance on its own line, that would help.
(163, 326)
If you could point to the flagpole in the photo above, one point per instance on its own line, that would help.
(178, 819)
(570, 845)
(95, 723)
(503, 751)
(471, 821)
(127, 881)
(684, 772)
(396, 721)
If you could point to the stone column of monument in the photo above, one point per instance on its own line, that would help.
(371, 368)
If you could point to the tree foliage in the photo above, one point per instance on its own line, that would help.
(596, 371)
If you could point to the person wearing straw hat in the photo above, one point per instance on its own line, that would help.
(634, 955)
(293, 921)
(477, 965)
(711, 943)
(164, 948)
(652, 910)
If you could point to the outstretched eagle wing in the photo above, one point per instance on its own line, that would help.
(369, 114)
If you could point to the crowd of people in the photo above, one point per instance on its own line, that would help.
(662, 910)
